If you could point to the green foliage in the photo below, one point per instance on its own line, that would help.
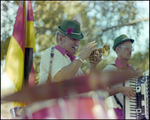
(142, 60)
(3, 47)
(98, 20)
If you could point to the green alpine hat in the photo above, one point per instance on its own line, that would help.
(71, 28)
(121, 39)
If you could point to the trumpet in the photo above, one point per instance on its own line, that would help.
(95, 55)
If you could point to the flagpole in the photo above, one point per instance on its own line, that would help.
(25, 19)
(28, 58)
(30, 42)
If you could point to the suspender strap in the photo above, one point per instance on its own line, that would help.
(117, 100)
(115, 97)
(132, 67)
(50, 68)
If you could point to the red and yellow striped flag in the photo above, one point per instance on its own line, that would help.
(30, 27)
(30, 39)
(14, 65)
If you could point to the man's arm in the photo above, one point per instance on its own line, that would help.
(127, 91)
(68, 72)
(113, 91)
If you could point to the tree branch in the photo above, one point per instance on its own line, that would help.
(127, 24)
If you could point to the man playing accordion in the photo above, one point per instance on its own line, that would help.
(123, 47)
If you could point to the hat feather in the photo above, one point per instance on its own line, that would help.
(78, 19)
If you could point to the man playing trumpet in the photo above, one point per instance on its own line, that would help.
(64, 64)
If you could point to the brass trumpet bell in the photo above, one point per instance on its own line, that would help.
(96, 54)
(106, 50)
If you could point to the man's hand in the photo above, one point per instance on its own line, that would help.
(96, 58)
(127, 91)
(87, 50)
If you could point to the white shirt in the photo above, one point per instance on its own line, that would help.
(119, 95)
(59, 61)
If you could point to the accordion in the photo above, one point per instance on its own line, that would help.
(138, 107)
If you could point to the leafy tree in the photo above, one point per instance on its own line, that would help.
(101, 21)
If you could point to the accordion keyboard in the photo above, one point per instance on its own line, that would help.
(138, 107)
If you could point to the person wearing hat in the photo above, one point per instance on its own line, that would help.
(123, 48)
(63, 63)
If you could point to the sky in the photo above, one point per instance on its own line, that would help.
(145, 34)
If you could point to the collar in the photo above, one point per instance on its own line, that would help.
(63, 52)
(119, 65)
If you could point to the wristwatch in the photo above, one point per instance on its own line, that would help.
(78, 58)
